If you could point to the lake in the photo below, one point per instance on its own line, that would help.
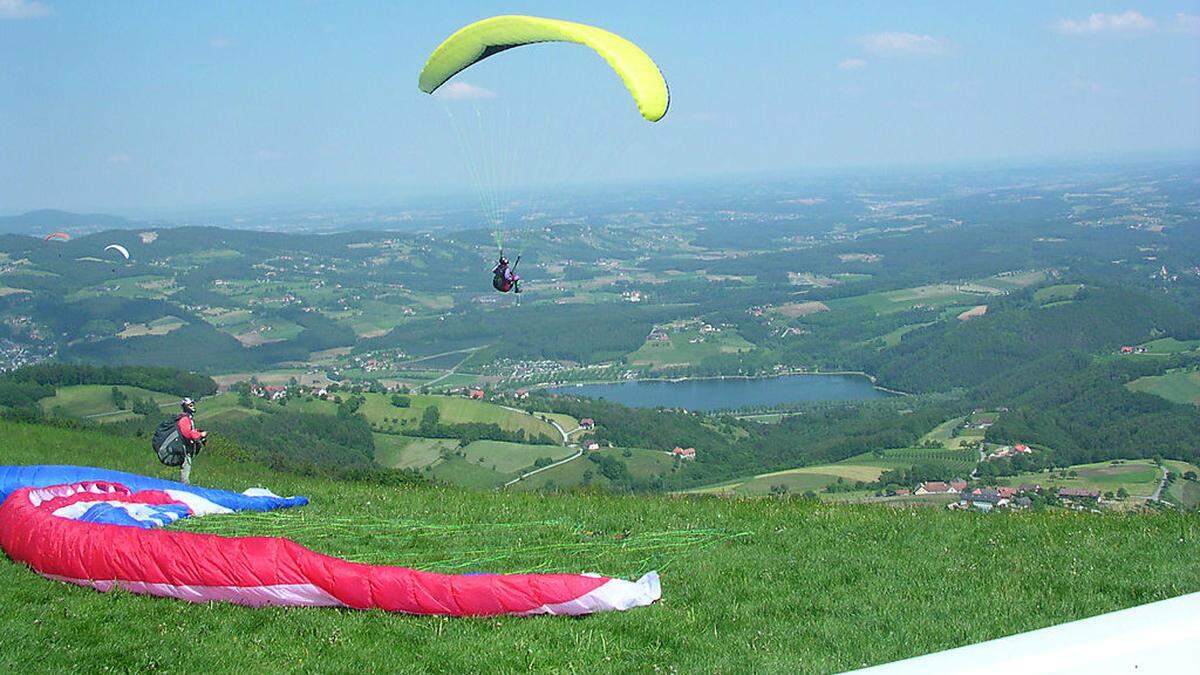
(730, 394)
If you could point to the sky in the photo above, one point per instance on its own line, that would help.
(137, 106)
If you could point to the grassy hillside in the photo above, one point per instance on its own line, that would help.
(1177, 386)
(95, 401)
(769, 585)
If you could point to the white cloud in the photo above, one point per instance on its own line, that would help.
(1187, 23)
(219, 42)
(119, 158)
(22, 9)
(852, 64)
(462, 91)
(1130, 21)
(892, 43)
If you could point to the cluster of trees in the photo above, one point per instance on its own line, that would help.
(170, 380)
(431, 426)
(288, 439)
(140, 405)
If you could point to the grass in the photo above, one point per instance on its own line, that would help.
(511, 458)
(1183, 493)
(777, 585)
(1056, 293)
(88, 400)
(894, 337)
(453, 410)
(1177, 386)
(404, 452)
(642, 463)
(1170, 345)
(784, 585)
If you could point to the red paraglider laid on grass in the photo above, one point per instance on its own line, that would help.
(100, 532)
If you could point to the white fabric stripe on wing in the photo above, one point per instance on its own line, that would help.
(198, 505)
(284, 595)
(614, 596)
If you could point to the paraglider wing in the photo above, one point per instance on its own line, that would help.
(119, 249)
(58, 236)
(479, 40)
(99, 528)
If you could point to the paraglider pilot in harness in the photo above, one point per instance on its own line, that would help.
(505, 278)
(193, 438)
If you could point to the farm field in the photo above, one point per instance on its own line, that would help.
(453, 410)
(1179, 386)
(1181, 492)
(407, 452)
(864, 467)
(160, 326)
(512, 458)
(1057, 293)
(683, 350)
(1170, 345)
(642, 464)
(95, 401)
(894, 337)
(150, 287)
(1139, 477)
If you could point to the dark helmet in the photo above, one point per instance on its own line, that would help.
(188, 405)
(503, 260)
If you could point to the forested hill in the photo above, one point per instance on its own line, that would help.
(1017, 331)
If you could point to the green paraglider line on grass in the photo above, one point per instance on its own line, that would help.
(657, 549)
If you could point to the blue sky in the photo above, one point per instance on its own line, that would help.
(139, 106)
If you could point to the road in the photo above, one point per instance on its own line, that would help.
(975, 471)
(577, 455)
(448, 373)
(566, 439)
(1162, 485)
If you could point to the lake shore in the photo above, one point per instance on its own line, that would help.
(694, 378)
(743, 392)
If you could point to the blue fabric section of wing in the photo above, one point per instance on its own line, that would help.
(42, 475)
(157, 515)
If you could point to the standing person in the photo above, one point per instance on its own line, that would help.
(192, 437)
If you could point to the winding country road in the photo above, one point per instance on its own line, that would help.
(566, 439)
(1162, 485)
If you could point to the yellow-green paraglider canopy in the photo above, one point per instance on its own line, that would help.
(477, 41)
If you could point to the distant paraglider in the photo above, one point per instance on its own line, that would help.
(57, 236)
(119, 249)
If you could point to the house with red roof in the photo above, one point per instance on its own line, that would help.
(935, 487)
(684, 453)
(587, 423)
(476, 394)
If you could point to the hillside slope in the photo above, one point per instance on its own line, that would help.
(764, 584)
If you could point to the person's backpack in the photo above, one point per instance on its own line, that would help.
(499, 282)
(168, 444)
